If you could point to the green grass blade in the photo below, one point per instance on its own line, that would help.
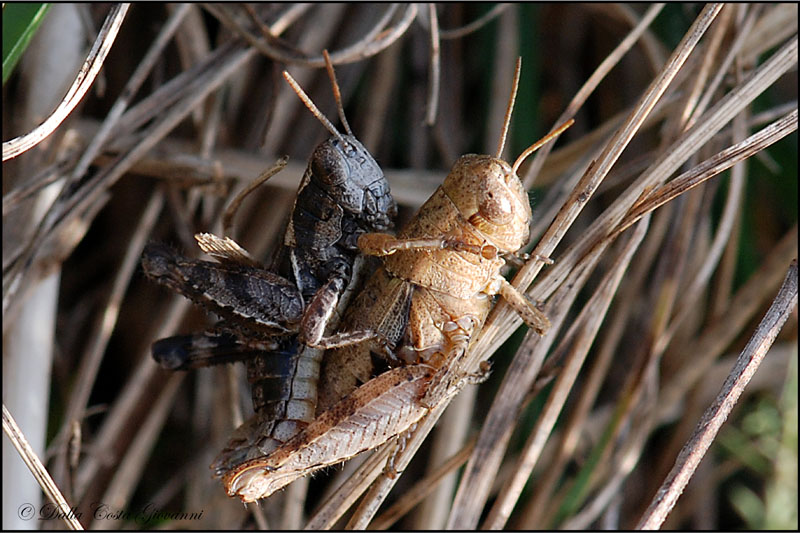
(20, 22)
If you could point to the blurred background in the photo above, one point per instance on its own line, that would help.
(421, 85)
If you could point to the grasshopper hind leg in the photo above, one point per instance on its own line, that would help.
(200, 350)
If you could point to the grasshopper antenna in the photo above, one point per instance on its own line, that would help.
(233, 207)
(538, 144)
(337, 95)
(509, 109)
(313, 108)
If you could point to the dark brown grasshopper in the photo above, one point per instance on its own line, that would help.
(273, 317)
(423, 307)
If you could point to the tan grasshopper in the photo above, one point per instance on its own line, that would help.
(422, 307)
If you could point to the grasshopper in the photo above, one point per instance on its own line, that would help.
(422, 307)
(272, 318)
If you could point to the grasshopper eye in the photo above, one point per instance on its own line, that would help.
(495, 205)
(327, 165)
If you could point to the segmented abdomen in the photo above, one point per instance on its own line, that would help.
(284, 390)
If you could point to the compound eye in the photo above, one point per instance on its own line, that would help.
(495, 203)
(327, 164)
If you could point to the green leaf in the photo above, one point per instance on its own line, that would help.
(20, 22)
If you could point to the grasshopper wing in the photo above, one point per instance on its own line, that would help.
(380, 409)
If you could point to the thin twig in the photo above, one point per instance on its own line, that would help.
(117, 421)
(713, 166)
(478, 23)
(38, 470)
(584, 329)
(746, 365)
(713, 340)
(733, 52)
(422, 488)
(80, 86)
(591, 84)
(120, 490)
(100, 336)
(434, 72)
(153, 54)
(372, 43)
(582, 416)
(334, 507)
(219, 67)
(701, 73)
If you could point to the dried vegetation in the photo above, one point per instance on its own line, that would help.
(670, 246)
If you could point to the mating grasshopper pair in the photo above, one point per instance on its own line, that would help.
(418, 314)
(342, 195)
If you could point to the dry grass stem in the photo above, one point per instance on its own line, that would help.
(746, 365)
(464, 515)
(130, 398)
(580, 336)
(376, 40)
(131, 466)
(334, 507)
(435, 69)
(475, 25)
(92, 359)
(711, 167)
(134, 83)
(76, 92)
(591, 84)
(743, 305)
(12, 431)
(422, 488)
(91, 195)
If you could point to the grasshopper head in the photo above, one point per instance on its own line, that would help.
(346, 171)
(490, 196)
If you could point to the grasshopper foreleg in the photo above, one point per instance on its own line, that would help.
(383, 244)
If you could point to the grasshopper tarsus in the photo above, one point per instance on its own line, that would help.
(481, 375)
